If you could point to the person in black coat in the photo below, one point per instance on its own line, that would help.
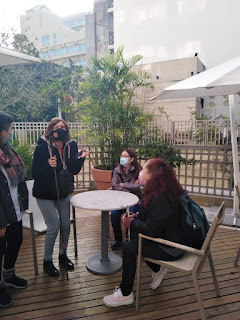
(55, 151)
(158, 217)
(13, 200)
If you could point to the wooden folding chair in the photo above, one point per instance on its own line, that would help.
(192, 261)
(33, 220)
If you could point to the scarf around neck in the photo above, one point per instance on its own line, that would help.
(13, 164)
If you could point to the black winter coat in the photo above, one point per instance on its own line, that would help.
(160, 220)
(44, 186)
(7, 210)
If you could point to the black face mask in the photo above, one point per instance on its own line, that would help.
(59, 134)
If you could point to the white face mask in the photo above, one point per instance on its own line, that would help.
(124, 161)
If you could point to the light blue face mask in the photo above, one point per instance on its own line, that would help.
(6, 140)
(124, 161)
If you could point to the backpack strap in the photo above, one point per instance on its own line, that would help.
(190, 211)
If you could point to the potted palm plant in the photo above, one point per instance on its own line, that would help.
(109, 107)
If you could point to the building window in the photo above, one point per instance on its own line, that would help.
(111, 38)
(82, 47)
(54, 38)
(45, 41)
(75, 23)
(83, 63)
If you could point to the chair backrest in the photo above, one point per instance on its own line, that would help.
(219, 217)
(39, 223)
(238, 191)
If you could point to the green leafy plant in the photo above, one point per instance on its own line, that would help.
(109, 106)
(171, 155)
(26, 153)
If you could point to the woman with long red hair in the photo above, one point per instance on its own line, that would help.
(158, 217)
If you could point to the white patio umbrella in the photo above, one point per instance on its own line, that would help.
(11, 57)
(223, 79)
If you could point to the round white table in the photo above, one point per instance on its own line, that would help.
(104, 200)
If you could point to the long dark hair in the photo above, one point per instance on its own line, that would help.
(5, 122)
(52, 123)
(135, 162)
(162, 180)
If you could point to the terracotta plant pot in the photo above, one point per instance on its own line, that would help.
(102, 178)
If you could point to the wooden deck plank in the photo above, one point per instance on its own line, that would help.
(81, 297)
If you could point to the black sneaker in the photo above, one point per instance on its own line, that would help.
(5, 298)
(16, 282)
(50, 269)
(117, 245)
(64, 261)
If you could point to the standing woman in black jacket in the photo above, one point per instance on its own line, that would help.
(159, 218)
(55, 151)
(13, 200)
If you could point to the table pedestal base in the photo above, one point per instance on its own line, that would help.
(113, 264)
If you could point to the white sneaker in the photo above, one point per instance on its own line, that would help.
(116, 299)
(158, 277)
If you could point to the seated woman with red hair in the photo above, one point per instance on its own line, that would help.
(158, 217)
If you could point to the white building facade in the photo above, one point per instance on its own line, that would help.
(76, 37)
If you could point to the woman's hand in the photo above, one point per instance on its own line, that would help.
(121, 184)
(84, 153)
(52, 162)
(2, 232)
(127, 221)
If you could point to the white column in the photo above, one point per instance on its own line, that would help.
(236, 175)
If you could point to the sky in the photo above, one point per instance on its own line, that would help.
(174, 29)
(10, 10)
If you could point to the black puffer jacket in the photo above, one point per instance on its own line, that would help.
(7, 210)
(160, 220)
(44, 186)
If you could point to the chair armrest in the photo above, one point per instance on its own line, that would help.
(28, 211)
(174, 244)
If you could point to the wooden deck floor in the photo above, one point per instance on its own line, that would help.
(81, 297)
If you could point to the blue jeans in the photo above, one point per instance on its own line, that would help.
(50, 212)
(116, 221)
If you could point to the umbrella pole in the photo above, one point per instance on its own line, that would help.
(236, 175)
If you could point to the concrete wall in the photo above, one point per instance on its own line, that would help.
(164, 74)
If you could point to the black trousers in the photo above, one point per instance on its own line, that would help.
(130, 251)
(10, 245)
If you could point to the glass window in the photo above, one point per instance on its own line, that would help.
(82, 47)
(45, 41)
(83, 63)
(54, 38)
(76, 22)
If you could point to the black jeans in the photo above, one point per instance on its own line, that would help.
(130, 251)
(10, 245)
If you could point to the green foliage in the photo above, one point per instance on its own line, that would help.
(22, 44)
(109, 106)
(171, 155)
(26, 153)
(31, 92)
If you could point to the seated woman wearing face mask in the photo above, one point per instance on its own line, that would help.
(55, 150)
(125, 178)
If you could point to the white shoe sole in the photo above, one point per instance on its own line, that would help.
(118, 304)
(155, 285)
